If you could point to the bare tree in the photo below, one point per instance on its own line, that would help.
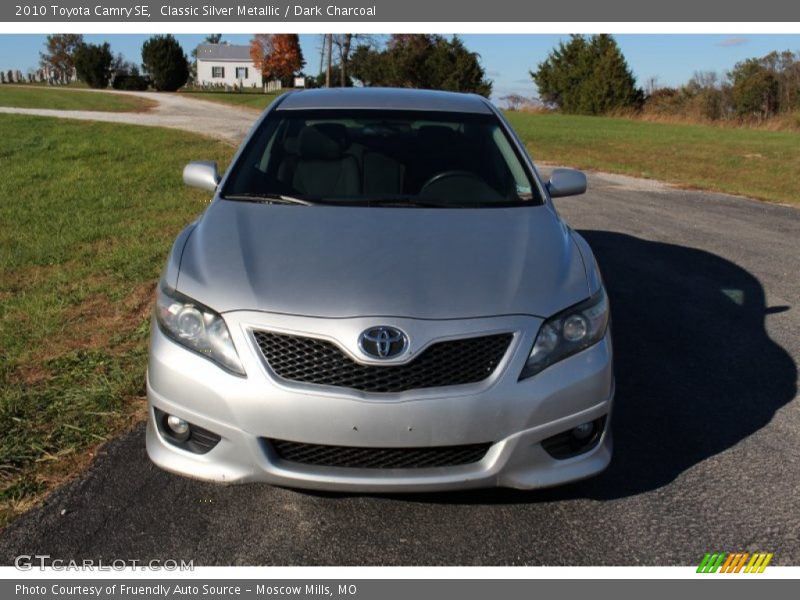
(705, 80)
(516, 101)
(345, 43)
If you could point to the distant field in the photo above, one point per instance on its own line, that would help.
(36, 96)
(757, 163)
(89, 213)
(256, 101)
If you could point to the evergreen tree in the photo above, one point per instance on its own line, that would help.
(421, 61)
(165, 62)
(93, 64)
(587, 76)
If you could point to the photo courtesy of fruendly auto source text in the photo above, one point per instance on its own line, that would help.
(377, 300)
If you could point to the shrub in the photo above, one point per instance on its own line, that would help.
(130, 82)
(93, 64)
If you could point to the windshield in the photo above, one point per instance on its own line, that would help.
(381, 158)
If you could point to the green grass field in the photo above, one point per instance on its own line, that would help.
(751, 162)
(254, 100)
(34, 96)
(88, 215)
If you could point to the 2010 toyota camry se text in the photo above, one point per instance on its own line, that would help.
(382, 297)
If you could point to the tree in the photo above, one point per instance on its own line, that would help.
(126, 76)
(517, 101)
(457, 69)
(755, 90)
(93, 64)
(277, 56)
(369, 66)
(336, 79)
(421, 61)
(587, 76)
(344, 44)
(165, 62)
(59, 55)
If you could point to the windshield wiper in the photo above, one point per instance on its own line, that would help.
(406, 201)
(267, 198)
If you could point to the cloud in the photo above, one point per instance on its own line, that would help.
(732, 41)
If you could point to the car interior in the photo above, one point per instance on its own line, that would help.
(347, 159)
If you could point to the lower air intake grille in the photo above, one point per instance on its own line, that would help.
(453, 362)
(378, 458)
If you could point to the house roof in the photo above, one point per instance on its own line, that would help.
(223, 52)
(386, 98)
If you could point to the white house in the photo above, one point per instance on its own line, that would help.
(226, 64)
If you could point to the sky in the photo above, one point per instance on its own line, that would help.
(507, 59)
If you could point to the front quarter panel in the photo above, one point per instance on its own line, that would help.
(172, 268)
(593, 276)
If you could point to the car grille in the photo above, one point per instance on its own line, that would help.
(378, 458)
(454, 362)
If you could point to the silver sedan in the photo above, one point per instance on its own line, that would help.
(381, 297)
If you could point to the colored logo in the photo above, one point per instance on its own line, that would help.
(734, 562)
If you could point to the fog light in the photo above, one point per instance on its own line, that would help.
(178, 426)
(583, 431)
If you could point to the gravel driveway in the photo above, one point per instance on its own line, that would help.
(228, 123)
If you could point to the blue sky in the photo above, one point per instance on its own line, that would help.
(507, 58)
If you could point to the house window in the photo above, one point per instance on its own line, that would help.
(241, 72)
(217, 72)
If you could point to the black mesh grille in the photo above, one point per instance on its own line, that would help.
(378, 458)
(454, 362)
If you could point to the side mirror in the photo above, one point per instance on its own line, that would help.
(566, 182)
(201, 174)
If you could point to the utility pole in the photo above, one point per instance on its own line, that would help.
(329, 41)
(322, 51)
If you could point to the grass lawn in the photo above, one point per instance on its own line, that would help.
(88, 215)
(34, 96)
(751, 162)
(254, 100)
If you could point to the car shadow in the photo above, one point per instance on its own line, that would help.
(696, 371)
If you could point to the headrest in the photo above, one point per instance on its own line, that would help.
(324, 141)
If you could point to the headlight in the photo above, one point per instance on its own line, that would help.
(567, 333)
(197, 327)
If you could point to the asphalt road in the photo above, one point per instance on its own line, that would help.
(705, 293)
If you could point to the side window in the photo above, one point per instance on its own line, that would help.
(217, 72)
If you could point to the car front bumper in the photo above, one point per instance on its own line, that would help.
(514, 416)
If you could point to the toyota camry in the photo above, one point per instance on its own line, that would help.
(381, 296)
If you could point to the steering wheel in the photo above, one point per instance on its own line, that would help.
(448, 175)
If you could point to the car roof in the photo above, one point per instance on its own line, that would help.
(384, 98)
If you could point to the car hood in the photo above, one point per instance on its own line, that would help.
(354, 262)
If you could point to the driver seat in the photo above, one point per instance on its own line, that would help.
(322, 167)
